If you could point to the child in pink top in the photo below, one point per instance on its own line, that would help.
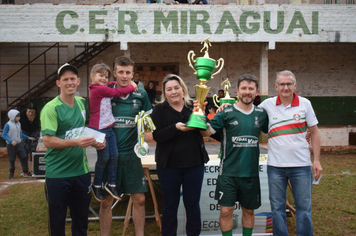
(102, 119)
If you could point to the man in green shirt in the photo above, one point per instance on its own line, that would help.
(67, 170)
(130, 178)
(238, 180)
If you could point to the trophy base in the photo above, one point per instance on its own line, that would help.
(197, 121)
(227, 100)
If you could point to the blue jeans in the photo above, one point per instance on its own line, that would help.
(301, 179)
(171, 180)
(107, 158)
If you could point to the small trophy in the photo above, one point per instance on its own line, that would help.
(203, 68)
(227, 98)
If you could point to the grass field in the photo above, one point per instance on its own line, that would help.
(23, 207)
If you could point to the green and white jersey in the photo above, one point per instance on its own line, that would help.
(65, 122)
(240, 133)
(124, 111)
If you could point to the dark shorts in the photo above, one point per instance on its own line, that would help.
(130, 177)
(246, 191)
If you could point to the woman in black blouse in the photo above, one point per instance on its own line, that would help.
(180, 156)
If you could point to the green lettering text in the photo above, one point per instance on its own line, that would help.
(159, 18)
(298, 17)
(315, 22)
(254, 27)
(60, 22)
(194, 22)
(131, 22)
(93, 22)
(227, 22)
(267, 22)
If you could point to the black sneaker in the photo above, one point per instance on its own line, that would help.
(11, 175)
(98, 193)
(112, 191)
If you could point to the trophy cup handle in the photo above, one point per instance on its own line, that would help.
(215, 100)
(191, 56)
(220, 61)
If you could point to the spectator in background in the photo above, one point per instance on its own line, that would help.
(31, 126)
(151, 92)
(13, 136)
(136, 79)
(221, 93)
(212, 112)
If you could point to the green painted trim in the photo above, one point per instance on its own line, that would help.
(334, 110)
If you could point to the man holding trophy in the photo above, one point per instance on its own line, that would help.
(241, 125)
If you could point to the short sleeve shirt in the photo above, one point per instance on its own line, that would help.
(240, 133)
(65, 122)
(124, 111)
(287, 129)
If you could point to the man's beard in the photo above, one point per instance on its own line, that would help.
(246, 103)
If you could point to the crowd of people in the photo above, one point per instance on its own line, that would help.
(180, 152)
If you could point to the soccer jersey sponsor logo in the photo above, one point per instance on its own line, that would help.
(244, 141)
(296, 117)
(124, 122)
(229, 109)
(234, 123)
(258, 109)
(74, 133)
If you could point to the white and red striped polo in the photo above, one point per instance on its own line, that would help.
(287, 129)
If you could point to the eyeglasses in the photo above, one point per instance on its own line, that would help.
(289, 85)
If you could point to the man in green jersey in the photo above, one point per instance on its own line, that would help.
(130, 178)
(238, 179)
(67, 170)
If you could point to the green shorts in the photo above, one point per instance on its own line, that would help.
(246, 191)
(130, 177)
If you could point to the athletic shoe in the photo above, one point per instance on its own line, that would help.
(112, 191)
(11, 175)
(26, 175)
(98, 193)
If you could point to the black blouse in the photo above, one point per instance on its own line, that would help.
(176, 149)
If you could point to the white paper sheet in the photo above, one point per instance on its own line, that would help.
(88, 132)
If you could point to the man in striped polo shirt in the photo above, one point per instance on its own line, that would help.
(288, 156)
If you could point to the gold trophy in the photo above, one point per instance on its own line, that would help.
(227, 98)
(203, 68)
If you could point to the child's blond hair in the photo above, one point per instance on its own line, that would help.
(101, 68)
